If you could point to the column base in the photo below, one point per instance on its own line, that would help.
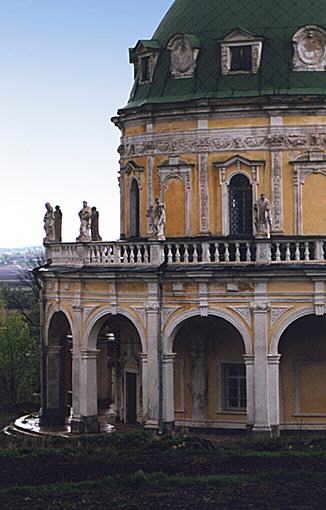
(52, 418)
(151, 424)
(261, 432)
(85, 425)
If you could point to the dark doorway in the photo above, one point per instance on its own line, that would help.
(134, 209)
(131, 397)
(240, 206)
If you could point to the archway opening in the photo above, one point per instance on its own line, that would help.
(209, 373)
(119, 370)
(241, 224)
(57, 390)
(134, 209)
(303, 371)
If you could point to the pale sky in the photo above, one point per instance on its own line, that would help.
(64, 74)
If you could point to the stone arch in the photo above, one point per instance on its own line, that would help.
(292, 317)
(173, 326)
(96, 321)
(51, 315)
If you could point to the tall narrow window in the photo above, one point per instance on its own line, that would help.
(240, 206)
(234, 386)
(134, 209)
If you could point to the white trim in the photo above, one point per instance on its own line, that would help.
(292, 317)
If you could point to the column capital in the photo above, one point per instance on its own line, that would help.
(168, 357)
(249, 359)
(143, 357)
(260, 307)
(274, 359)
(86, 354)
(54, 349)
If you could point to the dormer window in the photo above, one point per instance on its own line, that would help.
(145, 68)
(241, 58)
(241, 53)
(309, 49)
(144, 57)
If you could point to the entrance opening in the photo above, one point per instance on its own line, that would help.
(209, 373)
(119, 370)
(303, 371)
(57, 394)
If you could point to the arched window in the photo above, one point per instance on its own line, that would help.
(134, 209)
(240, 206)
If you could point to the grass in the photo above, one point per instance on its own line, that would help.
(135, 470)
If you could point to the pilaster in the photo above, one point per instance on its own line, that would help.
(168, 389)
(249, 361)
(274, 392)
(153, 322)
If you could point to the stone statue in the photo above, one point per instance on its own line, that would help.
(159, 220)
(85, 223)
(57, 223)
(263, 217)
(49, 224)
(94, 225)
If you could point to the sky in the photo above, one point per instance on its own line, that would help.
(64, 73)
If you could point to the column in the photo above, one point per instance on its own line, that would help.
(199, 381)
(249, 361)
(168, 390)
(88, 391)
(75, 408)
(54, 413)
(274, 392)
(260, 321)
(143, 363)
(153, 378)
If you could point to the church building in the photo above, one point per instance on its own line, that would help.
(209, 311)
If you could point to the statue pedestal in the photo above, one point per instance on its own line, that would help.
(263, 250)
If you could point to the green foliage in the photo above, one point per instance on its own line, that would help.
(19, 355)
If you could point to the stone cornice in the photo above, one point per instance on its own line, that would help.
(276, 138)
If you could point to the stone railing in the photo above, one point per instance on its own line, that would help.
(222, 251)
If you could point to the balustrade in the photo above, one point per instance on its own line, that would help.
(302, 250)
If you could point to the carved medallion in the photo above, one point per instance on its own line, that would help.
(309, 49)
(183, 57)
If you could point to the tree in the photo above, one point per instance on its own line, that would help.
(19, 365)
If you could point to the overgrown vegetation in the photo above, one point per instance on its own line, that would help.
(137, 470)
(19, 340)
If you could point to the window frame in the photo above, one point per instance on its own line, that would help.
(242, 379)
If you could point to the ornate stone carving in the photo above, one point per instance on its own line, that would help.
(220, 140)
(277, 190)
(309, 45)
(203, 192)
(183, 56)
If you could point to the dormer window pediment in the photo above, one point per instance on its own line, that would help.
(144, 57)
(184, 51)
(241, 52)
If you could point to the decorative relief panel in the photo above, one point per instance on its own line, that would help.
(309, 44)
(220, 140)
(203, 192)
(277, 191)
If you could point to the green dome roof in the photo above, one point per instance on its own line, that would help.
(273, 21)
